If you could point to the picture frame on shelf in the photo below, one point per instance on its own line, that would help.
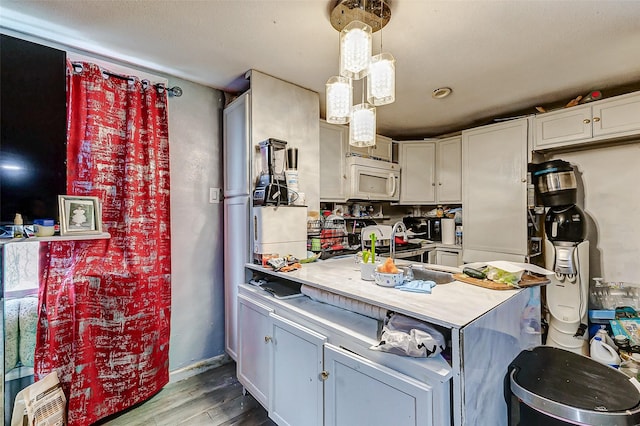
(79, 215)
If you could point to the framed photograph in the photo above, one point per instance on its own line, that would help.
(79, 215)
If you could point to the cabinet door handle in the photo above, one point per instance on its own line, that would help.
(440, 183)
(596, 119)
(523, 180)
(433, 184)
(586, 121)
(324, 375)
(267, 339)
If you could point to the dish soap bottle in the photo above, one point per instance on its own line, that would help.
(18, 228)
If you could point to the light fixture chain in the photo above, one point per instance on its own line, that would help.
(381, 11)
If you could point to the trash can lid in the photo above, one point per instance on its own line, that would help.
(573, 387)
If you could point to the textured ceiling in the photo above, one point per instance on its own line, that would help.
(500, 57)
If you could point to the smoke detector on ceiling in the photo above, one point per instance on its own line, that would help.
(441, 92)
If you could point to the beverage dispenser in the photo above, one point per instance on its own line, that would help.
(567, 254)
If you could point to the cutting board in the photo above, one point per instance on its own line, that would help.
(526, 281)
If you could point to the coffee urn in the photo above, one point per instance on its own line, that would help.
(567, 254)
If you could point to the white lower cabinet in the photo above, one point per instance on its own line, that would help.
(445, 257)
(361, 392)
(296, 374)
(306, 376)
(254, 348)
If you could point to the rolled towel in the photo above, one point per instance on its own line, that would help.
(344, 302)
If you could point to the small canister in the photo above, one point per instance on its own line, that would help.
(44, 227)
(622, 342)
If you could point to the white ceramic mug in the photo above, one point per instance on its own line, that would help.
(367, 270)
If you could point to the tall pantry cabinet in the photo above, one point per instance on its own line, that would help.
(494, 179)
(270, 108)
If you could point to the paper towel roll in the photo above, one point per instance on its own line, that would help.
(448, 231)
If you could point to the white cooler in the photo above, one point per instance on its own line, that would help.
(281, 230)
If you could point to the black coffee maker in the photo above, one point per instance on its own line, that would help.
(566, 254)
(271, 188)
(564, 222)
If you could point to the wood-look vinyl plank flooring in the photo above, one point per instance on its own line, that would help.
(213, 397)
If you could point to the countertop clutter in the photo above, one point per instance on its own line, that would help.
(453, 305)
(330, 336)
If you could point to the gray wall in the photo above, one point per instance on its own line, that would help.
(608, 179)
(195, 143)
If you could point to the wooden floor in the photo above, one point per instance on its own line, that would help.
(210, 398)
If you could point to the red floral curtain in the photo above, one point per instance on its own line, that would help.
(105, 304)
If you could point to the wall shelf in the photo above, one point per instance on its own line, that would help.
(81, 237)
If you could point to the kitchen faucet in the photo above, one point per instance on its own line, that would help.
(396, 226)
(362, 236)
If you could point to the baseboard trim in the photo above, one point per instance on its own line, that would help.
(198, 367)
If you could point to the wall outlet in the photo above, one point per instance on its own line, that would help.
(215, 194)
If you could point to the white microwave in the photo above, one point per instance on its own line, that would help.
(373, 180)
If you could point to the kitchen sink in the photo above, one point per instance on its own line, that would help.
(426, 274)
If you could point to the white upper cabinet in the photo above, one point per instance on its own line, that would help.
(382, 150)
(431, 171)
(237, 146)
(494, 180)
(333, 180)
(612, 118)
(334, 146)
(449, 170)
(417, 172)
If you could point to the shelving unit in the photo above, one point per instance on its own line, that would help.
(101, 236)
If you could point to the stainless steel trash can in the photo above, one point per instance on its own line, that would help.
(551, 386)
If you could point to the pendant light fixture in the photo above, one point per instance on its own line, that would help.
(357, 20)
(339, 99)
(355, 50)
(362, 129)
(381, 82)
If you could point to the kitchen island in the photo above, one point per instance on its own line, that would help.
(485, 330)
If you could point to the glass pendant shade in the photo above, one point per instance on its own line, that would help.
(339, 100)
(381, 81)
(355, 50)
(362, 128)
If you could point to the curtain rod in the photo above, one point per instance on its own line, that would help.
(174, 91)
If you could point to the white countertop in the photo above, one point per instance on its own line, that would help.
(454, 304)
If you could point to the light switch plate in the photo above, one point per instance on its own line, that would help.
(214, 195)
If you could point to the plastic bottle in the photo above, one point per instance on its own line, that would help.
(530, 328)
(18, 228)
(604, 336)
(459, 235)
(604, 353)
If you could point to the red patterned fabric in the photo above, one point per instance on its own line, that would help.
(105, 305)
